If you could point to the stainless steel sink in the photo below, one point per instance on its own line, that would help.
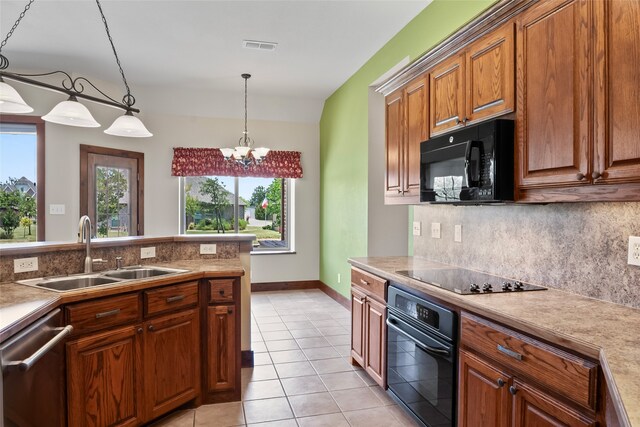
(141, 272)
(70, 283)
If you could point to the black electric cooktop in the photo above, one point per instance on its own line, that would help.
(468, 282)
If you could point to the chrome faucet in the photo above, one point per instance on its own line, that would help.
(84, 232)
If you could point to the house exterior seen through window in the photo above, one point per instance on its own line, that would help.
(246, 205)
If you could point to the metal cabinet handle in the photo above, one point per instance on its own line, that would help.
(513, 390)
(26, 364)
(151, 328)
(500, 382)
(139, 330)
(465, 120)
(107, 313)
(458, 121)
(580, 176)
(596, 175)
(221, 292)
(230, 311)
(176, 298)
(399, 191)
(509, 352)
(364, 282)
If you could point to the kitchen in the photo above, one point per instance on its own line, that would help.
(577, 247)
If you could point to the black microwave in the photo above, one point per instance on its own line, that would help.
(472, 165)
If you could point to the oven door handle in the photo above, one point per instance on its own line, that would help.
(428, 349)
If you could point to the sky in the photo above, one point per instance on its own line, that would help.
(17, 156)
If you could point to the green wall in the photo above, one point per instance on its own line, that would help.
(343, 137)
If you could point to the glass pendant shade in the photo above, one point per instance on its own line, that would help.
(260, 152)
(11, 101)
(242, 151)
(128, 126)
(227, 152)
(71, 113)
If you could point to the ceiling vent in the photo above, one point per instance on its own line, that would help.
(254, 44)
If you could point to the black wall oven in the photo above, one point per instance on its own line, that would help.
(422, 357)
(471, 165)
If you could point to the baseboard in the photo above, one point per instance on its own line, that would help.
(303, 284)
(247, 358)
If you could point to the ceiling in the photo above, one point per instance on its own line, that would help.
(185, 49)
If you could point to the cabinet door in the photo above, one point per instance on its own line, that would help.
(617, 94)
(490, 75)
(417, 131)
(484, 398)
(534, 408)
(375, 317)
(222, 348)
(357, 326)
(394, 135)
(105, 379)
(553, 50)
(171, 361)
(446, 94)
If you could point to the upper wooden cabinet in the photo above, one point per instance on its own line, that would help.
(474, 85)
(406, 128)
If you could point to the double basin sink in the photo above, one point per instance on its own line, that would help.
(80, 281)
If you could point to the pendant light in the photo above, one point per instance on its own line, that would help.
(71, 112)
(244, 153)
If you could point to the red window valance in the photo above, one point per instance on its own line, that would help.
(210, 162)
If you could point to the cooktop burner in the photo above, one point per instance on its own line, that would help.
(468, 282)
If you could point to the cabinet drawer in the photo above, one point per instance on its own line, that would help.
(170, 298)
(103, 313)
(372, 285)
(221, 290)
(567, 374)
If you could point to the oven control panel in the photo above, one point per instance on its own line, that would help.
(418, 311)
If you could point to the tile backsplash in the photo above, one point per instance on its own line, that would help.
(580, 247)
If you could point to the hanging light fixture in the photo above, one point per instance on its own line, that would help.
(71, 112)
(244, 153)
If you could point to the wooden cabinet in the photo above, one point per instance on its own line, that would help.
(506, 378)
(221, 376)
(368, 324)
(133, 373)
(474, 85)
(104, 379)
(171, 361)
(406, 128)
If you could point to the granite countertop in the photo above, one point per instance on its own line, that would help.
(20, 305)
(604, 331)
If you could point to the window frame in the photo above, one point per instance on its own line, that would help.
(288, 215)
(85, 151)
(40, 166)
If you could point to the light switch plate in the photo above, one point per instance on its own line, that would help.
(208, 249)
(56, 209)
(149, 252)
(417, 228)
(634, 251)
(435, 230)
(457, 233)
(22, 265)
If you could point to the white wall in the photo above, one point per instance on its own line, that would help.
(161, 189)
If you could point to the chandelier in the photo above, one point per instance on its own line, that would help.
(244, 153)
(71, 112)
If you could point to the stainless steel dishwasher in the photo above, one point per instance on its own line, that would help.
(33, 386)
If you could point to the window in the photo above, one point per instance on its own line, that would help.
(242, 205)
(21, 179)
(111, 190)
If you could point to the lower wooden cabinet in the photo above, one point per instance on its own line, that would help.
(222, 350)
(105, 379)
(368, 325)
(171, 361)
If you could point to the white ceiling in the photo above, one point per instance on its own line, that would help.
(191, 51)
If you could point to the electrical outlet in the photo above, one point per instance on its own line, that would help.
(208, 249)
(339, 277)
(56, 209)
(435, 230)
(634, 251)
(457, 233)
(149, 252)
(417, 228)
(22, 265)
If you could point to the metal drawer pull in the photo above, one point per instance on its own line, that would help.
(509, 353)
(176, 298)
(513, 390)
(26, 364)
(107, 313)
(500, 382)
(221, 292)
(364, 282)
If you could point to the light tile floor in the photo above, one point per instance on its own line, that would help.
(302, 375)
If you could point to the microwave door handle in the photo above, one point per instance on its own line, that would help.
(467, 162)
